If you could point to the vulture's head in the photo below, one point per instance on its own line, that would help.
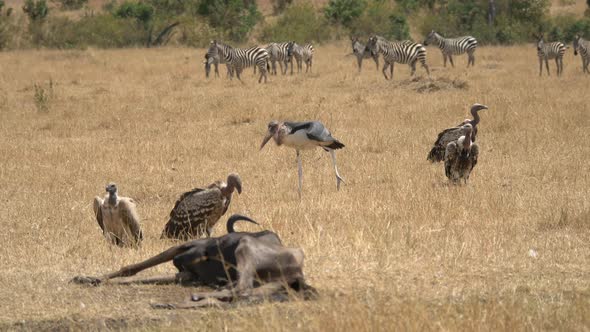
(275, 129)
(234, 182)
(478, 107)
(111, 188)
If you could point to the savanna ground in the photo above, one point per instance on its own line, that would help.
(396, 248)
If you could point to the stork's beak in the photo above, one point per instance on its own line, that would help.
(266, 139)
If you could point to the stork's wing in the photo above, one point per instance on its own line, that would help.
(98, 211)
(131, 218)
(445, 137)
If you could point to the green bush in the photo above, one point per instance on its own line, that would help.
(299, 22)
(344, 12)
(36, 9)
(140, 11)
(380, 18)
(71, 4)
(235, 18)
(278, 6)
(565, 27)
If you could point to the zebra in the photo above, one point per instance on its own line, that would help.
(212, 58)
(554, 50)
(583, 47)
(453, 46)
(302, 54)
(238, 59)
(277, 52)
(402, 52)
(362, 52)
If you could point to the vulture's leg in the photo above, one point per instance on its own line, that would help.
(133, 269)
(300, 172)
(338, 177)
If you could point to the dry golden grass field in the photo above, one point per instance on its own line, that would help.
(396, 248)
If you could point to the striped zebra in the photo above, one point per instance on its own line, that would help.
(582, 46)
(238, 59)
(547, 51)
(453, 46)
(362, 52)
(212, 58)
(302, 54)
(405, 51)
(277, 52)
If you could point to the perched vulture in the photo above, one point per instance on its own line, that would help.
(461, 156)
(197, 211)
(448, 135)
(118, 218)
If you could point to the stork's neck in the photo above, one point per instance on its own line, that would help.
(113, 198)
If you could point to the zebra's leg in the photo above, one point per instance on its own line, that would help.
(413, 67)
(547, 65)
(451, 61)
(540, 67)
(425, 66)
(299, 172)
(216, 70)
(445, 60)
(384, 70)
(391, 70)
(558, 64)
(587, 61)
(359, 61)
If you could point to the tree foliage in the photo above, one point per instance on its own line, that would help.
(344, 12)
(36, 9)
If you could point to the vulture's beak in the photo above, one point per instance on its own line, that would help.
(267, 138)
(239, 188)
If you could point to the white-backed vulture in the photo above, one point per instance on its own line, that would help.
(197, 211)
(118, 218)
(437, 153)
(461, 156)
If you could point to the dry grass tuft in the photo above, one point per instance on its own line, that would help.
(396, 249)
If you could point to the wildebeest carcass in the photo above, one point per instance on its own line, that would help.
(249, 265)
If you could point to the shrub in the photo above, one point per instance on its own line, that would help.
(140, 11)
(344, 12)
(236, 18)
(36, 9)
(278, 6)
(299, 22)
(71, 4)
(374, 20)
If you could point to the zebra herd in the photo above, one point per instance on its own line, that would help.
(409, 52)
(263, 58)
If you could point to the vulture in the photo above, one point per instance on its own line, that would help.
(461, 156)
(118, 218)
(448, 135)
(198, 210)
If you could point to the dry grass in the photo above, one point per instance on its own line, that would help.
(396, 248)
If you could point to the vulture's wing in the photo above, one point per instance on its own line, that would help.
(192, 209)
(474, 154)
(445, 137)
(131, 218)
(450, 156)
(98, 211)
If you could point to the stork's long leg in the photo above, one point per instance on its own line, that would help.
(338, 177)
(300, 172)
